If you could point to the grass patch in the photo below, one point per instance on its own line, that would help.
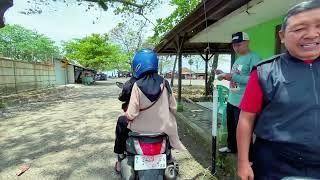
(226, 163)
(195, 93)
(3, 104)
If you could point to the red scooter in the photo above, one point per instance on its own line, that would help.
(148, 157)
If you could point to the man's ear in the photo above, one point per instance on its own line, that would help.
(281, 35)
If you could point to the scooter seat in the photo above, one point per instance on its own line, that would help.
(151, 135)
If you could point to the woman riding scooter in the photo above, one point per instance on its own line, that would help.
(152, 106)
(122, 123)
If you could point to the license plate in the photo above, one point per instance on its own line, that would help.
(142, 162)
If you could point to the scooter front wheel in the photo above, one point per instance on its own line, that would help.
(154, 174)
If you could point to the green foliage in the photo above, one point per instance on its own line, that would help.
(226, 164)
(20, 43)
(121, 62)
(3, 104)
(151, 42)
(139, 7)
(133, 6)
(165, 64)
(190, 62)
(96, 52)
(183, 8)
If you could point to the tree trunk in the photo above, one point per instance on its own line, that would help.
(214, 64)
(161, 65)
(212, 74)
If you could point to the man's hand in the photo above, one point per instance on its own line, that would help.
(228, 76)
(218, 71)
(220, 77)
(245, 171)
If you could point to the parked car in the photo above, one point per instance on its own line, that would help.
(101, 77)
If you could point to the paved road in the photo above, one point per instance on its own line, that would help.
(69, 135)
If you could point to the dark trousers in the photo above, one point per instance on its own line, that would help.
(273, 161)
(233, 113)
(121, 135)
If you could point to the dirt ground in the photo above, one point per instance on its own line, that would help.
(70, 135)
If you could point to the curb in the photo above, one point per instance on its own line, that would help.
(197, 133)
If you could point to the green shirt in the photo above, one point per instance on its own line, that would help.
(241, 70)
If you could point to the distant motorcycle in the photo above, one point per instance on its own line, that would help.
(148, 157)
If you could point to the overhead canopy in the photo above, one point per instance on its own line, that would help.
(196, 22)
(249, 15)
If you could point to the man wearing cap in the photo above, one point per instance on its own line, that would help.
(282, 104)
(238, 80)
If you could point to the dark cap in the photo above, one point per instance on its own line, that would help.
(239, 37)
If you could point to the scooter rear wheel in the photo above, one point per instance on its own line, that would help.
(171, 173)
(127, 171)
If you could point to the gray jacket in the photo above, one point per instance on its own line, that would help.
(291, 108)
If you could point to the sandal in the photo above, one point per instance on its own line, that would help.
(22, 169)
(117, 167)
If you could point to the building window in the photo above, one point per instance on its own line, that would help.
(280, 48)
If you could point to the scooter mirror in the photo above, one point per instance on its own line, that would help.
(119, 84)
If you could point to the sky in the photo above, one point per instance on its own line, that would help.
(63, 23)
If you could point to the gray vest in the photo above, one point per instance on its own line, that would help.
(291, 104)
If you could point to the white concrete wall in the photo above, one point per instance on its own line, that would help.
(60, 73)
(71, 74)
(17, 76)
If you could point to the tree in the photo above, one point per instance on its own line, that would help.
(96, 52)
(129, 39)
(151, 42)
(20, 43)
(124, 7)
(120, 62)
(183, 8)
(165, 64)
(214, 66)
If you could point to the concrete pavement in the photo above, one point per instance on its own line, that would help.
(70, 135)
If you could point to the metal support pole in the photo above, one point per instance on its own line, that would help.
(179, 47)
(206, 60)
(180, 75)
(206, 72)
(214, 129)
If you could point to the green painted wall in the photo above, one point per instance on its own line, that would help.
(262, 37)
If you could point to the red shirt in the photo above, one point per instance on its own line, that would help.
(253, 96)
